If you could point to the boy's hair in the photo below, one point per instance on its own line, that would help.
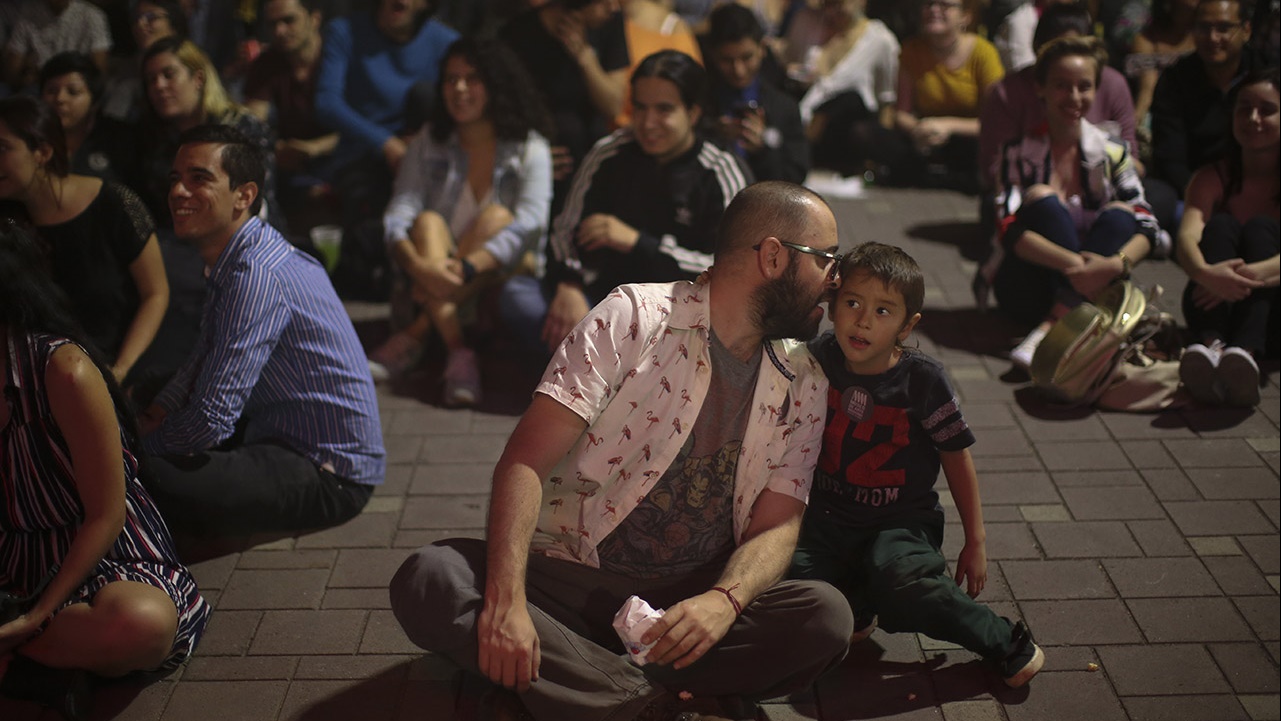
(678, 69)
(732, 23)
(893, 267)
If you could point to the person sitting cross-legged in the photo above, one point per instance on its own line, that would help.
(471, 202)
(272, 423)
(667, 454)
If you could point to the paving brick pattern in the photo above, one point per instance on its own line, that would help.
(1142, 550)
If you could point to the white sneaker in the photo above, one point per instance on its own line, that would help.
(1022, 354)
(462, 378)
(1199, 372)
(397, 355)
(1238, 377)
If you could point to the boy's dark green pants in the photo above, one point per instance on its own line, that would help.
(899, 574)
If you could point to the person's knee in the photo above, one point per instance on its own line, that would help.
(425, 593)
(1038, 192)
(834, 620)
(430, 233)
(492, 219)
(1259, 239)
(140, 627)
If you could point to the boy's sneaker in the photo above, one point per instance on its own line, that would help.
(462, 378)
(1022, 354)
(1238, 376)
(1025, 658)
(401, 352)
(1198, 370)
(863, 627)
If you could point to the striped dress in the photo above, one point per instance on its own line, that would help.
(41, 508)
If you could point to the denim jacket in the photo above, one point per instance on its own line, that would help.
(432, 175)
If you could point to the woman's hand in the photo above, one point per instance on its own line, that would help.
(441, 278)
(17, 632)
(1228, 281)
(606, 231)
(1094, 273)
(929, 134)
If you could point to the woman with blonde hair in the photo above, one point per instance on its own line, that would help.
(183, 90)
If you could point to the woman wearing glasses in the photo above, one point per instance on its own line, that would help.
(152, 20)
(643, 208)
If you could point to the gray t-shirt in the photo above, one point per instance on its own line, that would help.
(686, 522)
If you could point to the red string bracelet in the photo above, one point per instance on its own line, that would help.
(738, 610)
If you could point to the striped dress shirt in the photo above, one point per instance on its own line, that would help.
(277, 350)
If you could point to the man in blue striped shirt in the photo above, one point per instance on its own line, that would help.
(272, 423)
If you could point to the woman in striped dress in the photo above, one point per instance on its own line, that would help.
(77, 529)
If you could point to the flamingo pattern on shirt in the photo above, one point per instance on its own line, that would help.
(637, 370)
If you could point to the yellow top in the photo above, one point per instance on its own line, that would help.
(939, 91)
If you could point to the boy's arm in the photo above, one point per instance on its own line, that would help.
(963, 482)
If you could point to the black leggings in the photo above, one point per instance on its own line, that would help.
(1026, 290)
(1251, 323)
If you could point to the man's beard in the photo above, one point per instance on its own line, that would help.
(783, 309)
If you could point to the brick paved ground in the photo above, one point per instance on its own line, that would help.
(1143, 551)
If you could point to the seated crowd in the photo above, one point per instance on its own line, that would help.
(179, 364)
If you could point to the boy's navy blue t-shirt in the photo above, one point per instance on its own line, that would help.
(880, 456)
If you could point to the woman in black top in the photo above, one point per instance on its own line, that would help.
(97, 145)
(101, 241)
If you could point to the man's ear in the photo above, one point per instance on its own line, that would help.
(770, 258)
(245, 196)
(695, 114)
(906, 330)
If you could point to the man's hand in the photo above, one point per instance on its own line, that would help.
(751, 131)
(1094, 273)
(562, 162)
(690, 629)
(509, 653)
(150, 419)
(606, 231)
(971, 567)
(565, 311)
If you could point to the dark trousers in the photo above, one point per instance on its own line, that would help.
(785, 639)
(249, 488)
(1165, 202)
(853, 136)
(1251, 323)
(900, 575)
(1026, 290)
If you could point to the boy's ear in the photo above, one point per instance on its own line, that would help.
(906, 330)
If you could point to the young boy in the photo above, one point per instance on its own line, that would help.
(874, 526)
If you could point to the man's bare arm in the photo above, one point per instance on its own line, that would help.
(509, 652)
(692, 627)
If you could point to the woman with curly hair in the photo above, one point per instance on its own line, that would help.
(470, 203)
(80, 538)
